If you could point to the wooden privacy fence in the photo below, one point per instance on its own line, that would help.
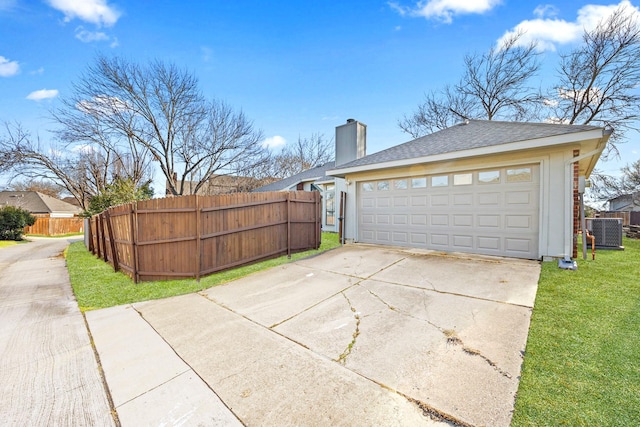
(192, 236)
(55, 226)
(628, 218)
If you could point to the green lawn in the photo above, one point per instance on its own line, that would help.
(96, 285)
(5, 243)
(582, 362)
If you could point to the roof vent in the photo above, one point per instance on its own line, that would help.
(350, 120)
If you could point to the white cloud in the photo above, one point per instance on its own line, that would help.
(87, 36)
(549, 32)
(41, 94)
(102, 105)
(274, 141)
(94, 11)
(547, 10)
(8, 68)
(445, 10)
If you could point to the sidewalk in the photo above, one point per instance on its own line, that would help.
(48, 370)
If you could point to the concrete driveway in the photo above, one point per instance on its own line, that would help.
(361, 335)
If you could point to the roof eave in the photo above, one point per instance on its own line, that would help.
(492, 149)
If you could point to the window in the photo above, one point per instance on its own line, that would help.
(400, 184)
(519, 175)
(463, 179)
(383, 185)
(489, 177)
(419, 182)
(330, 204)
(367, 186)
(440, 181)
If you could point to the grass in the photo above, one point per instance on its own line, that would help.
(582, 362)
(6, 243)
(96, 285)
(57, 235)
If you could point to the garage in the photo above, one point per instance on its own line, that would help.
(491, 211)
(508, 189)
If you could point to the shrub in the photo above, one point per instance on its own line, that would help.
(13, 220)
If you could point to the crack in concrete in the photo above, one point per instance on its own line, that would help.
(454, 339)
(435, 414)
(342, 359)
(450, 334)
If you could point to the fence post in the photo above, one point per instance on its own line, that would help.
(112, 243)
(133, 219)
(104, 239)
(198, 238)
(289, 224)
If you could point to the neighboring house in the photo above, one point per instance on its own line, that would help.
(487, 187)
(625, 203)
(351, 142)
(219, 184)
(39, 204)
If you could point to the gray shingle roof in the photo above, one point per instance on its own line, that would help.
(465, 136)
(318, 172)
(36, 202)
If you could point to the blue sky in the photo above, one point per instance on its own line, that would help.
(295, 68)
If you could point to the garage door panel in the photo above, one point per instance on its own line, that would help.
(419, 239)
(491, 221)
(419, 201)
(489, 243)
(439, 220)
(400, 220)
(440, 239)
(518, 245)
(497, 216)
(489, 199)
(462, 241)
(383, 219)
(400, 238)
(462, 220)
(518, 221)
(400, 201)
(368, 202)
(440, 200)
(418, 219)
(383, 202)
(518, 197)
(462, 199)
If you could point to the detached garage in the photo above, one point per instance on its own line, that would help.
(495, 188)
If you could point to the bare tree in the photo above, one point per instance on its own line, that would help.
(598, 81)
(495, 85)
(157, 110)
(82, 171)
(45, 187)
(607, 187)
(305, 153)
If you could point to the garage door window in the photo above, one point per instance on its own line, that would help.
(519, 175)
(463, 179)
(400, 184)
(383, 185)
(419, 182)
(489, 177)
(367, 186)
(440, 181)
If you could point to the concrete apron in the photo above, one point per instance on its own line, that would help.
(361, 335)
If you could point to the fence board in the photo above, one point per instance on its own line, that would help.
(191, 236)
(47, 226)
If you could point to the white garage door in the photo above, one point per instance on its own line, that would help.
(491, 211)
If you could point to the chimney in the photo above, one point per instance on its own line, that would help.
(351, 141)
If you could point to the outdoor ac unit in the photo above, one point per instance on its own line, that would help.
(608, 232)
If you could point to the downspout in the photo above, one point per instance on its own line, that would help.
(568, 246)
